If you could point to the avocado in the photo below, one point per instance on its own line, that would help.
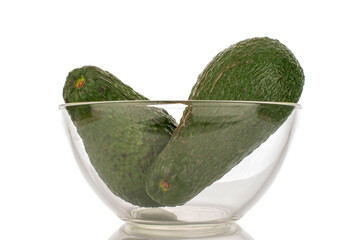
(121, 140)
(210, 140)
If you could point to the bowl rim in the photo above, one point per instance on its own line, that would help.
(186, 102)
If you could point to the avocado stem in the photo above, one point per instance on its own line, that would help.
(80, 82)
(164, 185)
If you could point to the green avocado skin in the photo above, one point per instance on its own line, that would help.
(211, 140)
(99, 85)
(121, 140)
(256, 69)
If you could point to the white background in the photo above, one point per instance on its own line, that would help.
(159, 48)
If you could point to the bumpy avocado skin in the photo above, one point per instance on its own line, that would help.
(256, 69)
(121, 140)
(98, 85)
(210, 141)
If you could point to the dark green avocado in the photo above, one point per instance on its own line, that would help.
(121, 140)
(256, 69)
(89, 84)
(211, 140)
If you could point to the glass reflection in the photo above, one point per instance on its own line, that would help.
(233, 232)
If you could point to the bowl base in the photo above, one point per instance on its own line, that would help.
(176, 221)
(181, 215)
(204, 230)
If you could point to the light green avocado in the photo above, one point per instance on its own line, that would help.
(121, 140)
(210, 141)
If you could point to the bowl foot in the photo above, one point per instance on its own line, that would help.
(181, 215)
(180, 231)
(183, 221)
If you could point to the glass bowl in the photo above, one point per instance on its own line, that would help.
(233, 233)
(179, 165)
